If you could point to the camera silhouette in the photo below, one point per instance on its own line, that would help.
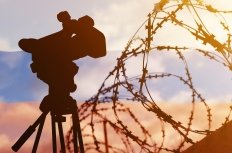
(53, 57)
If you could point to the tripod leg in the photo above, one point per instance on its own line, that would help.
(61, 137)
(36, 143)
(75, 143)
(28, 133)
(77, 128)
(54, 134)
(80, 135)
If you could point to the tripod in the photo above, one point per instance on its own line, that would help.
(55, 118)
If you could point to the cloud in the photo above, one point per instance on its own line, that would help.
(181, 96)
(221, 98)
(11, 60)
(92, 73)
(5, 140)
(134, 65)
(119, 20)
(6, 46)
(2, 99)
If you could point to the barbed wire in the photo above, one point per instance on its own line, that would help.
(119, 88)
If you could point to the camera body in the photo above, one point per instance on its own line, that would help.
(77, 39)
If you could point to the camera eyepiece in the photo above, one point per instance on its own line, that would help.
(63, 16)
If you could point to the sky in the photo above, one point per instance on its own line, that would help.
(21, 91)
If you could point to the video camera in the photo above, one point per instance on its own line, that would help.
(53, 55)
